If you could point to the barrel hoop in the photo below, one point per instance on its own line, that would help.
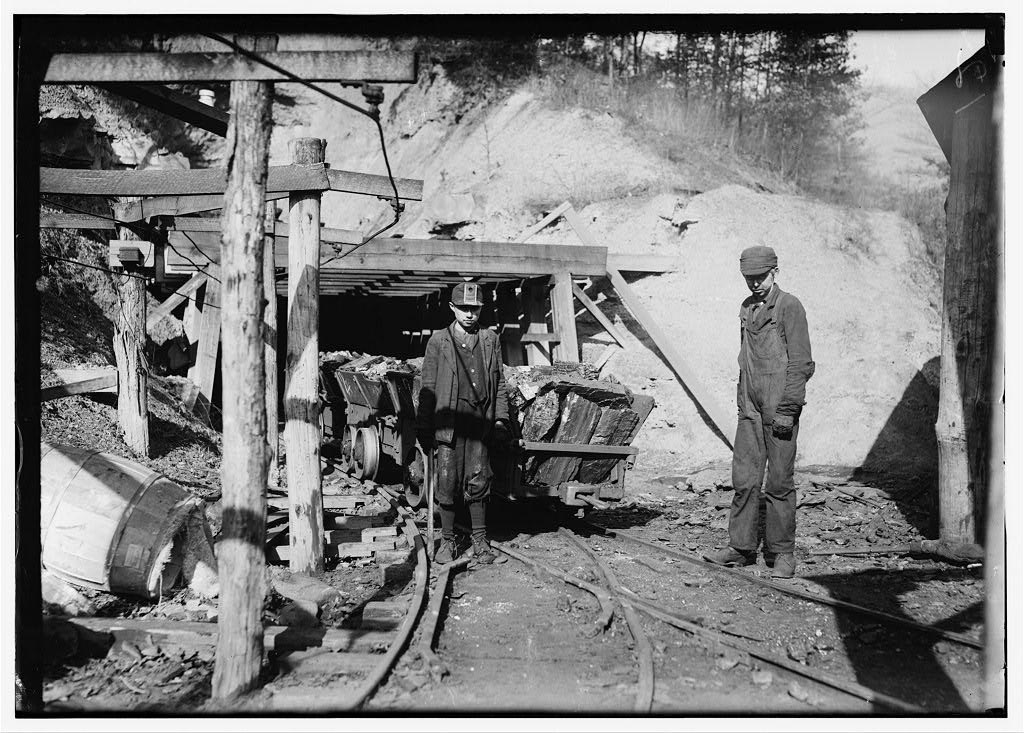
(58, 500)
(115, 541)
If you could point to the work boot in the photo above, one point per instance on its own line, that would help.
(730, 557)
(785, 565)
(769, 559)
(482, 552)
(446, 552)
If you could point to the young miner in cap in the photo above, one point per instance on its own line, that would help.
(775, 364)
(463, 408)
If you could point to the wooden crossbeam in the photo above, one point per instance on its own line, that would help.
(600, 316)
(207, 181)
(368, 184)
(608, 450)
(644, 263)
(180, 205)
(353, 67)
(530, 231)
(426, 256)
(281, 178)
(175, 299)
(175, 104)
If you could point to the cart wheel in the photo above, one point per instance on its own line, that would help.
(347, 440)
(366, 453)
(414, 475)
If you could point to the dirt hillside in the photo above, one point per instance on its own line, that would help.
(491, 170)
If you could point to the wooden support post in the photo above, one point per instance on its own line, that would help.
(966, 350)
(129, 353)
(204, 371)
(301, 393)
(244, 467)
(563, 318)
(535, 309)
(270, 340)
(508, 322)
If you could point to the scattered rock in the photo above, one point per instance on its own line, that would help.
(727, 661)
(797, 692)
(761, 677)
(300, 613)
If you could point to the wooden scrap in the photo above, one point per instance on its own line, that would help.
(383, 615)
(81, 381)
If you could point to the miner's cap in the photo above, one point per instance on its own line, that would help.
(467, 294)
(758, 260)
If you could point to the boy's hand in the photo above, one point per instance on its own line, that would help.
(502, 435)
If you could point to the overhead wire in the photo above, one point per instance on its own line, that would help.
(373, 114)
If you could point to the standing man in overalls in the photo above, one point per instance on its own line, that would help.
(463, 409)
(775, 364)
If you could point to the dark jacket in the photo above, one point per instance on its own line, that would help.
(775, 355)
(439, 391)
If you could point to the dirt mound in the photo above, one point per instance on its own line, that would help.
(871, 308)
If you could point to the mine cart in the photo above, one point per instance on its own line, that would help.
(368, 422)
(369, 427)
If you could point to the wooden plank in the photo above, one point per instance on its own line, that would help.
(177, 105)
(179, 205)
(281, 178)
(581, 449)
(175, 299)
(179, 68)
(644, 263)
(51, 220)
(200, 634)
(563, 318)
(442, 256)
(540, 338)
(722, 419)
(534, 321)
(605, 322)
(530, 231)
(203, 372)
(81, 381)
(373, 185)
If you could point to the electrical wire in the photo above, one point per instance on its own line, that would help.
(373, 114)
(144, 228)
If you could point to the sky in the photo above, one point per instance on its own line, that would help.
(911, 58)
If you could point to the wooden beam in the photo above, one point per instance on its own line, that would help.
(204, 371)
(81, 381)
(530, 231)
(192, 635)
(441, 256)
(721, 418)
(179, 68)
(271, 342)
(596, 313)
(301, 394)
(541, 338)
(175, 299)
(180, 205)
(563, 318)
(373, 185)
(81, 182)
(175, 104)
(535, 321)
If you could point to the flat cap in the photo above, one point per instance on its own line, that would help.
(467, 294)
(757, 260)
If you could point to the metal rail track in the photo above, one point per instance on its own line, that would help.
(882, 616)
(668, 616)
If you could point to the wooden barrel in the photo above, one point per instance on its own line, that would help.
(110, 523)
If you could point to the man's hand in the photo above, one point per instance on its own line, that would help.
(502, 435)
(782, 427)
